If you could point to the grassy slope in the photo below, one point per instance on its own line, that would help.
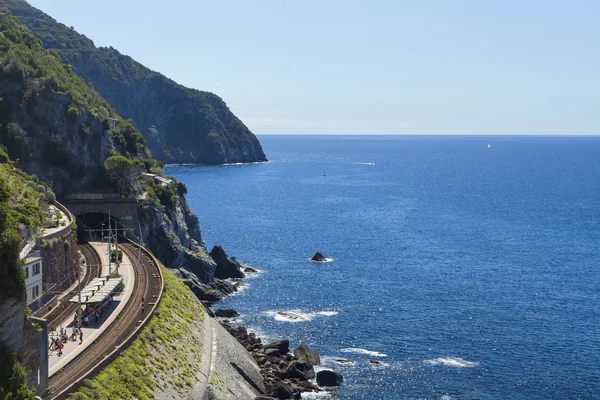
(165, 357)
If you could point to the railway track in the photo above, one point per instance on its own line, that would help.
(147, 289)
(93, 270)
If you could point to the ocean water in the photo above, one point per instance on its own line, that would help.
(468, 271)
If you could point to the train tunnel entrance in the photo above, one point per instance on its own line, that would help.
(97, 227)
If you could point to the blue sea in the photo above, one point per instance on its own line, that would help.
(468, 271)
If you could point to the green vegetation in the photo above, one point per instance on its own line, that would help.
(129, 140)
(22, 200)
(13, 382)
(123, 172)
(166, 353)
(25, 62)
(113, 255)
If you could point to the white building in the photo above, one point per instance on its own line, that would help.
(32, 268)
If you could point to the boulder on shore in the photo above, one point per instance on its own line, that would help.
(329, 378)
(283, 346)
(319, 257)
(229, 313)
(304, 354)
(226, 267)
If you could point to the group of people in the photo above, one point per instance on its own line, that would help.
(58, 343)
(91, 315)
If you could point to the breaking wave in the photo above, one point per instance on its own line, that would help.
(298, 316)
(455, 362)
(363, 351)
(327, 259)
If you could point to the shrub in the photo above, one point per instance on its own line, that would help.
(72, 112)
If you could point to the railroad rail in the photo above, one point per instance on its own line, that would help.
(148, 285)
(93, 270)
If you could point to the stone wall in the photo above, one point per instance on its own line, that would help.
(59, 261)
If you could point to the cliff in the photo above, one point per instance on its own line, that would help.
(181, 125)
(172, 231)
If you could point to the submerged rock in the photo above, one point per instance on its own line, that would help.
(329, 378)
(319, 257)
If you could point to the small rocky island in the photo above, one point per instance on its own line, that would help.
(319, 257)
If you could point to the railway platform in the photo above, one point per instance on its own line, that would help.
(92, 331)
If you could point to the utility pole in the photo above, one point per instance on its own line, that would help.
(117, 247)
(79, 287)
(109, 237)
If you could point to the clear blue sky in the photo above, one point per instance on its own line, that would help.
(368, 67)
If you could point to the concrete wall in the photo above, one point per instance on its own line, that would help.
(59, 255)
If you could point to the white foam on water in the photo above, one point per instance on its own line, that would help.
(298, 315)
(455, 362)
(378, 364)
(318, 395)
(365, 163)
(327, 259)
(446, 397)
(241, 287)
(363, 351)
(235, 321)
(331, 360)
(328, 313)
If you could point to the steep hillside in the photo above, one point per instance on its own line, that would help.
(51, 121)
(59, 129)
(181, 125)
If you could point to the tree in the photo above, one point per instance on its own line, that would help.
(124, 172)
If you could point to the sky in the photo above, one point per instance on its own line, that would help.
(371, 66)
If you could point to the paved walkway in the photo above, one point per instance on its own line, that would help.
(93, 331)
(61, 219)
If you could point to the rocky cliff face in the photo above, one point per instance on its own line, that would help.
(181, 125)
(12, 321)
(173, 234)
(67, 153)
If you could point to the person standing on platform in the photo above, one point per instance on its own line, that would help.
(80, 336)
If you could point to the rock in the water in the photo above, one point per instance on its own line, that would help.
(229, 313)
(249, 270)
(283, 346)
(304, 354)
(223, 286)
(300, 370)
(318, 257)
(329, 378)
(375, 362)
(226, 267)
(343, 361)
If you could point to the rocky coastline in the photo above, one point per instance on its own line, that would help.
(286, 375)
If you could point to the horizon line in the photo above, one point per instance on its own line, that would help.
(429, 134)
